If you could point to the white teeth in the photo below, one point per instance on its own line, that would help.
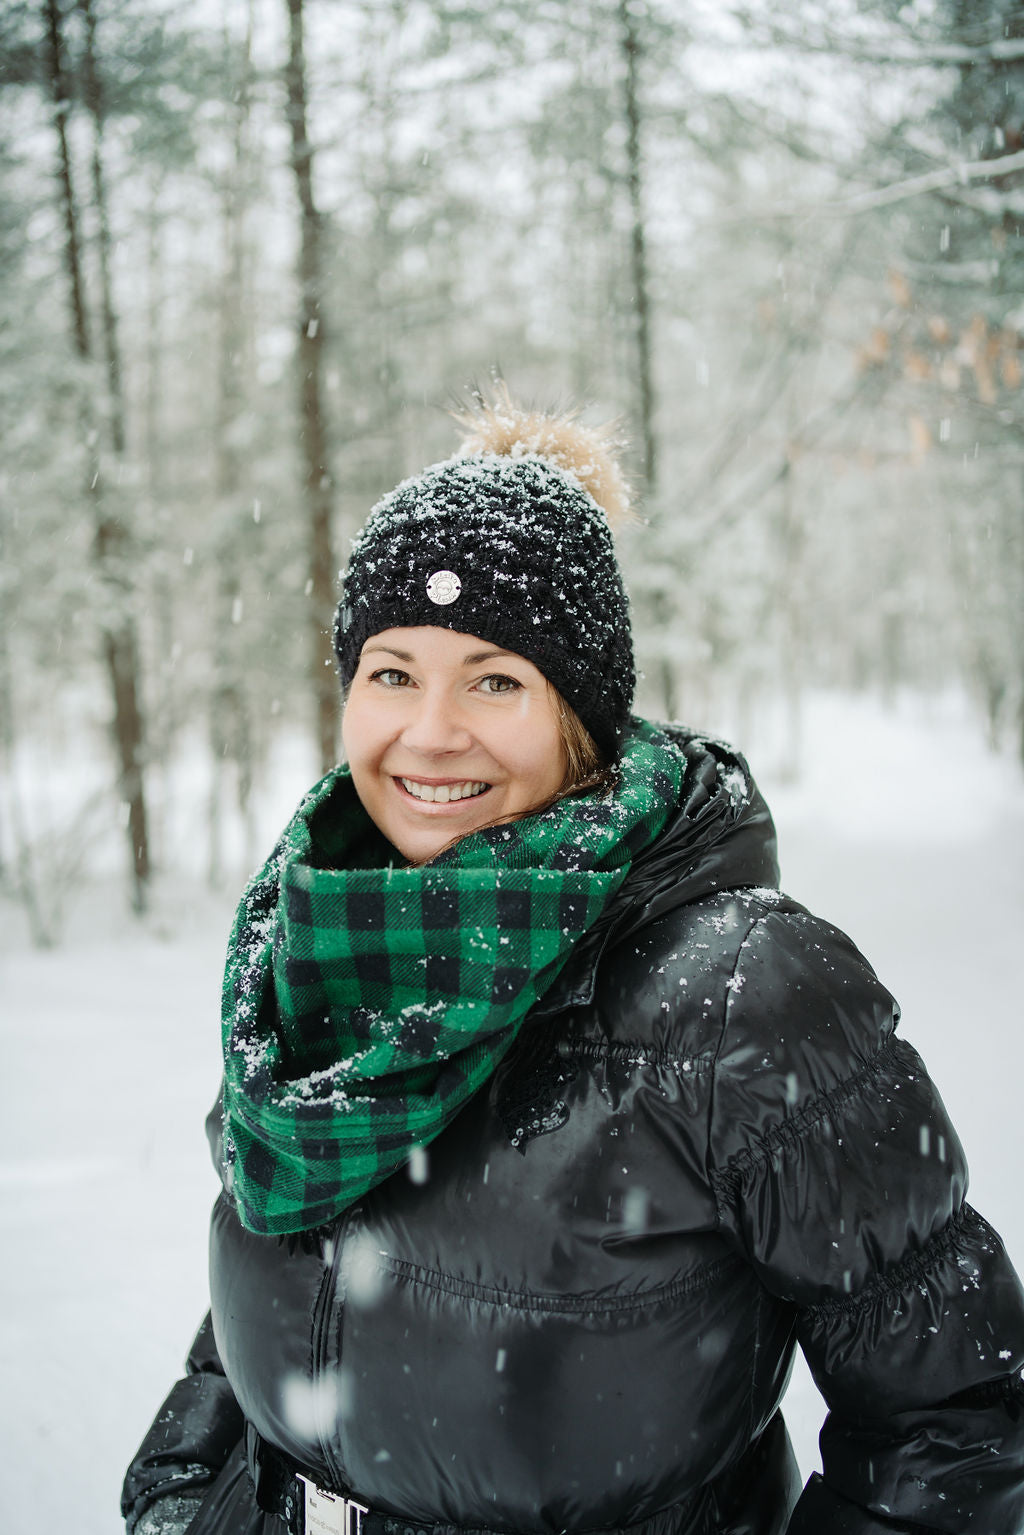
(443, 793)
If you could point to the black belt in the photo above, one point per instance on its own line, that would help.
(306, 1508)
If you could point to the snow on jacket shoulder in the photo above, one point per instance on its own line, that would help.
(841, 1180)
(707, 1143)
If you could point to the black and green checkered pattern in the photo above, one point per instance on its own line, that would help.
(363, 1005)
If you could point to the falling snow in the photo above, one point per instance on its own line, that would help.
(134, 1014)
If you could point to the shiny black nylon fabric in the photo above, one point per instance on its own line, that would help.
(587, 1311)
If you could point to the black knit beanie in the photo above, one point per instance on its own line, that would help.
(509, 548)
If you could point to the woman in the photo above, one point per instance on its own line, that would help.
(549, 1126)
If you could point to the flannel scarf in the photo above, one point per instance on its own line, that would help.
(363, 1005)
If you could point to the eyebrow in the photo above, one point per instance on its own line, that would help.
(487, 655)
(388, 650)
(405, 655)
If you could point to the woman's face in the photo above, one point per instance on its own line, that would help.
(445, 733)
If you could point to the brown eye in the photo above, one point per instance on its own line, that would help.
(496, 683)
(390, 677)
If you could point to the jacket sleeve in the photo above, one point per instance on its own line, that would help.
(190, 1438)
(839, 1177)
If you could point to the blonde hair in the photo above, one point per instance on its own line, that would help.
(585, 768)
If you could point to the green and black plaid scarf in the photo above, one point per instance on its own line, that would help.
(364, 1005)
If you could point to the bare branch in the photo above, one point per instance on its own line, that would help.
(881, 197)
(896, 52)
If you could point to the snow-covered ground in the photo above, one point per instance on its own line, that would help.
(903, 829)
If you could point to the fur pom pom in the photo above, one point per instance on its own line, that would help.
(498, 425)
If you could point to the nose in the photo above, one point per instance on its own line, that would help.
(435, 727)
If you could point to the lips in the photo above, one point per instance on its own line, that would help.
(444, 793)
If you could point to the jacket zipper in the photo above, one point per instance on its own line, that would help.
(324, 1400)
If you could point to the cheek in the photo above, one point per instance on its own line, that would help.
(359, 735)
(533, 750)
(348, 734)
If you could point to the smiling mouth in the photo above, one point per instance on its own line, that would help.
(444, 793)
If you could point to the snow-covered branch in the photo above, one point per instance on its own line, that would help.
(892, 51)
(895, 192)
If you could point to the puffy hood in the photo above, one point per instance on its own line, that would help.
(722, 837)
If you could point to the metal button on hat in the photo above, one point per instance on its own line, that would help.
(443, 587)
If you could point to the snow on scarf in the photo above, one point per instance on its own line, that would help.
(362, 1006)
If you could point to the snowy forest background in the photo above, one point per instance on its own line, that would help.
(250, 250)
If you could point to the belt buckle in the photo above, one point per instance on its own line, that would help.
(328, 1513)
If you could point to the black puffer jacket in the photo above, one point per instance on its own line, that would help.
(708, 1144)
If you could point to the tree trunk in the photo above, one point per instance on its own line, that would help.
(29, 885)
(661, 598)
(93, 96)
(789, 586)
(164, 714)
(318, 488)
(230, 718)
(630, 42)
(61, 92)
(110, 545)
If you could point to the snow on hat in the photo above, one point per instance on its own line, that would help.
(509, 542)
